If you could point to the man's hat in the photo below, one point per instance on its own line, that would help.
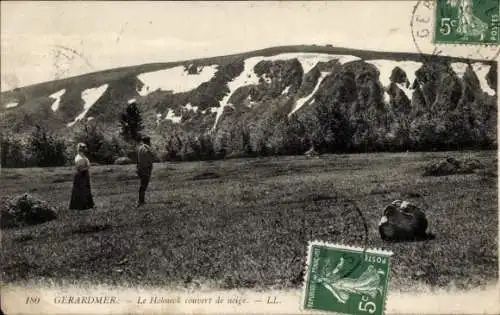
(145, 138)
(132, 101)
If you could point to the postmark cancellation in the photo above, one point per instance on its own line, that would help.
(442, 28)
(345, 279)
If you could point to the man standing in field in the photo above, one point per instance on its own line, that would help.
(145, 159)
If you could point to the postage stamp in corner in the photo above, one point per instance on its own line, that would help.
(467, 22)
(344, 279)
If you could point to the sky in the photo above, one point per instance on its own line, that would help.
(43, 41)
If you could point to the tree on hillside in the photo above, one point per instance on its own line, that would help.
(131, 122)
(174, 147)
(12, 151)
(334, 131)
(45, 149)
(101, 148)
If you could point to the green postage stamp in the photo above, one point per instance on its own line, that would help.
(467, 22)
(345, 279)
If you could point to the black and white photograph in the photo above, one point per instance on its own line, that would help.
(201, 146)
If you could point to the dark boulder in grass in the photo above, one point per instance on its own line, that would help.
(403, 221)
(25, 210)
(123, 160)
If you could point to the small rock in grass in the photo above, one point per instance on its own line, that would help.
(123, 160)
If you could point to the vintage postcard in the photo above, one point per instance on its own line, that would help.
(238, 157)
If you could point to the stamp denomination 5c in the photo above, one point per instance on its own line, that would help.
(467, 21)
(345, 279)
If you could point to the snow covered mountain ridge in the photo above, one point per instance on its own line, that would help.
(213, 94)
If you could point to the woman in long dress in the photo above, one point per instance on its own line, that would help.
(81, 195)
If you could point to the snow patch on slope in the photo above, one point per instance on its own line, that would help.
(249, 77)
(386, 96)
(246, 77)
(285, 91)
(11, 105)
(459, 68)
(385, 68)
(57, 96)
(481, 71)
(410, 67)
(309, 60)
(172, 117)
(158, 119)
(407, 91)
(300, 102)
(188, 106)
(89, 96)
(174, 79)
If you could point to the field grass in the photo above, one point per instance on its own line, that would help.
(245, 223)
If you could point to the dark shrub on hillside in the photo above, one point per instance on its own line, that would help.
(185, 146)
(109, 151)
(13, 152)
(334, 129)
(45, 149)
(209, 93)
(101, 148)
(398, 76)
(193, 69)
(131, 122)
(25, 210)
(204, 147)
(190, 148)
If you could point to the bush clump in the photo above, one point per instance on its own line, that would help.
(25, 210)
(451, 166)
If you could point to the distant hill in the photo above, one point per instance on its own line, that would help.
(279, 100)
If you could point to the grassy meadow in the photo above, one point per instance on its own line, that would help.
(245, 223)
